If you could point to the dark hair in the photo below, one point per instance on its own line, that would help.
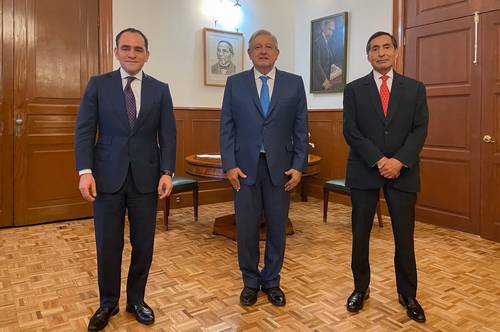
(117, 39)
(378, 34)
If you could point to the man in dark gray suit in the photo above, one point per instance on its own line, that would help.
(263, 138)
(385, 125)
(128, 168)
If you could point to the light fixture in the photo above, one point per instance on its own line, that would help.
(237, 3)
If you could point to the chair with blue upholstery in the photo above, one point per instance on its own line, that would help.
(182, 184)
(338, 186)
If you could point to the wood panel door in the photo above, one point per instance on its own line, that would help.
(56, 51)
(441, 56)
(6, 141)
(490, 149)
(420, 12)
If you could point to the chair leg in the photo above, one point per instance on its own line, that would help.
(326, 194)
(379, 215)
(195, 203)
(166, 211)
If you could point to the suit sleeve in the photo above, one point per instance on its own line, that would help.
(300, 132)
(167, 132)
(227, 130)
(364, 148)
(408, 154)
(86, 127)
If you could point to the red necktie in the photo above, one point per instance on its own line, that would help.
(384, 93)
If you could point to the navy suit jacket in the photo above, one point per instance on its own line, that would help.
(371, 135)
(283, 132)
(147, 149)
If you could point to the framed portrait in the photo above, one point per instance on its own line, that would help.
(223, 54)
(328, 53)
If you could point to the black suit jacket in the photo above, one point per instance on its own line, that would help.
(146, 149)
(371, 135)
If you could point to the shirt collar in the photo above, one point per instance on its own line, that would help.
(124, 74)
(271, 74)
(376, 74)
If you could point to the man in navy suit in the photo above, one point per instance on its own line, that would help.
(385, 125)
(263, 138)
(128, 168)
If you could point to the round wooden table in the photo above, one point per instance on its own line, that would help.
(210, 166)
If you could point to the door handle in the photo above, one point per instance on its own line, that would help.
(488, 139)
(19, 123)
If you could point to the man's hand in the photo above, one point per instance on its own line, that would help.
(233, 176)
(87, 187)
(294, 180)
(165, 186)
(390, 168)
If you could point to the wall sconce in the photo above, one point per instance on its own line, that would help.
(225, 14)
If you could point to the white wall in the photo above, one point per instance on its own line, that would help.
(174, 29)
(364, 18)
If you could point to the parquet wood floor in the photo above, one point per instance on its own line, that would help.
(48, 278)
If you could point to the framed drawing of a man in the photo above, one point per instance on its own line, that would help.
(223, 55)
(328, 53)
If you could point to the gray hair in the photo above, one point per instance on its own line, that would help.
(228, 44)
(262, 32)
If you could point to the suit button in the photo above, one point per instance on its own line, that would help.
(386, 132)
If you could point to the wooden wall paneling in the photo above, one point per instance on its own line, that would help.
(105, 36)
(325, 127)
(6, 118)
(198, 132)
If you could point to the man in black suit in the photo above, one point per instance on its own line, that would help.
(128, 168)
(385, 125)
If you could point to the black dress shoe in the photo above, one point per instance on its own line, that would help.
(356, 299)
(275, 295)
(413, 308)
(142, 312)
(100, 318)
(248, 296)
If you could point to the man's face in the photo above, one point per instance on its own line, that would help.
(328, 29)
(224, 54)
(263, 54)
(382, 54)
(131, 52)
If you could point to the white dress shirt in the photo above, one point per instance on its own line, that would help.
(270, 81)
(378, 80)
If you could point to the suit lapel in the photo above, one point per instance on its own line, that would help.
(146, 100)
(253, 88)
(374, 96)
(276, 91)
(396, 88)
(118, 98)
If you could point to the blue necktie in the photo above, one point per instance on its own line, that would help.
(264, 94)
(130, 102)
